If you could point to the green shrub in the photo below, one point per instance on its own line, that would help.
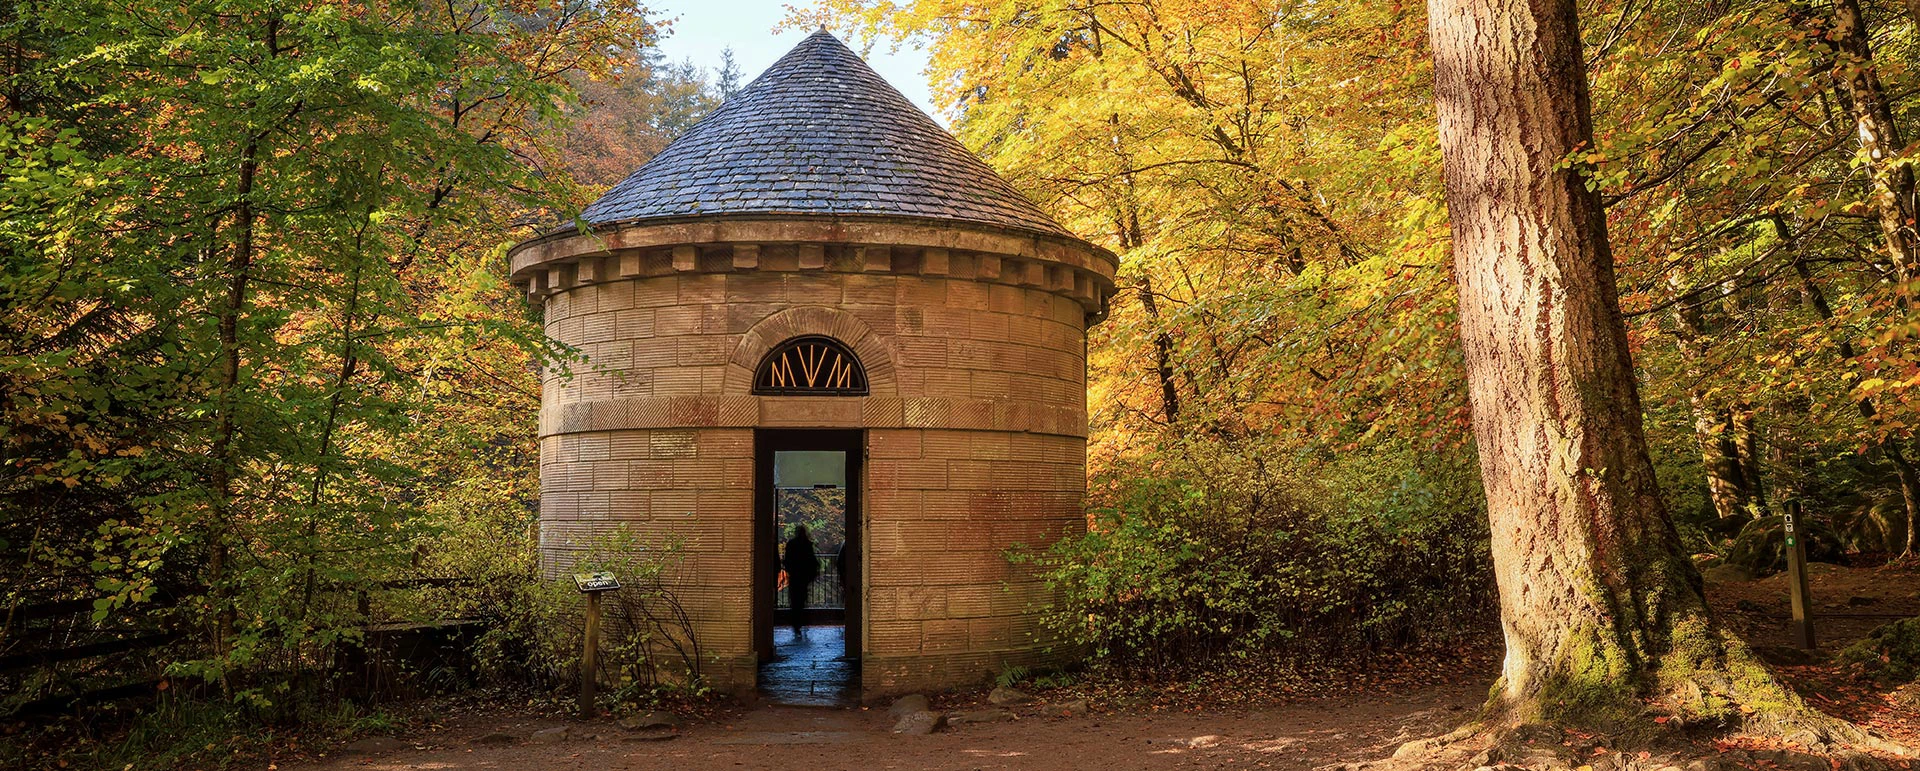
(1207, 552)
(1890, 654)
(648, 651)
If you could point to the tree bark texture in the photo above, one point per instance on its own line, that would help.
(1894, 200)
(1162, 353)
(1727, 473)
(1893, 183)
(226, 428)
(1747, 438)
(1599, 604)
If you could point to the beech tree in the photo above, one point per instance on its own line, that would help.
(1598, 601)
(246, 256)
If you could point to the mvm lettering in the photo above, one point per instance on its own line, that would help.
(811, 365)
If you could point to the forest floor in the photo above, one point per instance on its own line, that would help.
(1848, 603)
(1304, 735)
(1318, 723)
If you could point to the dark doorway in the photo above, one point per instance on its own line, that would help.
(809, 646)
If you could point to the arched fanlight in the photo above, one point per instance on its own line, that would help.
(810, 366)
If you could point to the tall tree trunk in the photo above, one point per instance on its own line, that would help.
(1909, 494)
(1726, 474)
(1132, 236)
(226, 423)
(1712, 423)
(1747, 439)
(1893, 188)
(1599, 604)
(222, 453)
(1880, 143)
(336, 400)
(1162, 352)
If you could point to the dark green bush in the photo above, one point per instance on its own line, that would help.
(648, 650)
(1206, 553)
(1890, 654)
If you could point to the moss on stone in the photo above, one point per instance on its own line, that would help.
(1890, 654)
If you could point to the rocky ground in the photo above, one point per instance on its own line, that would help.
(1387, 723)
(976, 736)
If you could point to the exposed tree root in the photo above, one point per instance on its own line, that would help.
(1698, 677)
(1712, 680)
(1673, 731)
(1540, 747)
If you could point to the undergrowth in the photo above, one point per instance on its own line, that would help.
(1213, 556)
(1890, 654)
(189, 731)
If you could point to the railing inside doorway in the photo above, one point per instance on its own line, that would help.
(827, 591)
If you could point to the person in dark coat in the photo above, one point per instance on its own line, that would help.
(802, 565)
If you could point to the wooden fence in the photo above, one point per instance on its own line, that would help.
(55, 658)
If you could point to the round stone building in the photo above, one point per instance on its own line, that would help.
(817, 308)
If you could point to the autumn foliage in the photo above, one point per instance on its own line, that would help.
(1270, 176)
(258, 357)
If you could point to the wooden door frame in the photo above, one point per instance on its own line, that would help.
(766, 547)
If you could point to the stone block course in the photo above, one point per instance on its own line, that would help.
(880, 412)
(944, 635)
(975, 444)
(678, 320)
(894, 444)
(820, 202)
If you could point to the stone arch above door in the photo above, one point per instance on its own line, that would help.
(812, 320)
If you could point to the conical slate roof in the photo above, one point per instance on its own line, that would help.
(819, 133)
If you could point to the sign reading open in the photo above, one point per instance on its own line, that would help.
(601, 581)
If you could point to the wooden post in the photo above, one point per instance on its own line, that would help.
(1802, 599)
(588, 653)
(591, 585)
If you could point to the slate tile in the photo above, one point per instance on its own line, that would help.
(820, 131)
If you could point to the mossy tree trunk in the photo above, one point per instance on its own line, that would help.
(1727, 472)
(1599, 604)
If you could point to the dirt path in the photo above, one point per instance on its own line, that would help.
(1364, 723)
(1848, 602)
(1299, 736)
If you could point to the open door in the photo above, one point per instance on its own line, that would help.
(808, 643)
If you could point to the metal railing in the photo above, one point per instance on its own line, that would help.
(827, 591)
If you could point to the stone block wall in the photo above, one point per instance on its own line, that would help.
(975, 432)
(691, 489)
(945, 605)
